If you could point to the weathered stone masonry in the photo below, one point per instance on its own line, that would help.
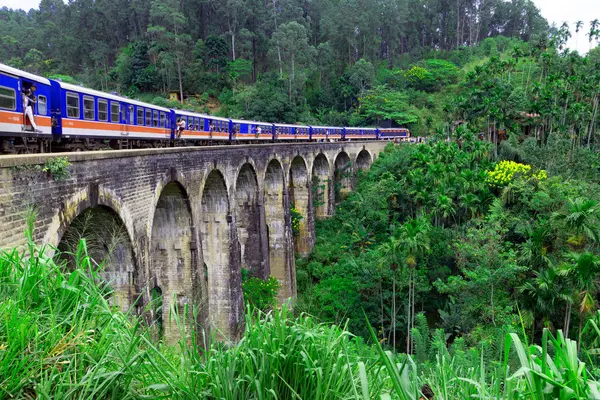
(191, 217)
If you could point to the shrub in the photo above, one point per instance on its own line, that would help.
(58, 167)
(296, 218)
(261, 293)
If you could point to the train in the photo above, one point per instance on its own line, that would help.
(69, 117)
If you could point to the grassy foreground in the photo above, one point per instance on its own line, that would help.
(61, 339)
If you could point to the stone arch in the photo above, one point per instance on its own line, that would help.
(276, 228)
(249, 218)
(108, 245)
(342, 176)
(320, 186)
(300, 199)
(224, 274)
(363, 160)
(172, 256)
(91, 196)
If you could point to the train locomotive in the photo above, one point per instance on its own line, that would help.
(73, 118)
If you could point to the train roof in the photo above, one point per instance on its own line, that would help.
(360, 127)
(326, 127)
(17, 72)
(244, 121)
(198, 115)
(84, 90)
(293, 126)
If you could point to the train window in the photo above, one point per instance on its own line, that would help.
(148, 117)
(114, 111)
(73, 105)
(88, 107)
(102, 110)
(140, 116)
(131, 115)
(8, 98)
(155, 119)
(163, 120)
(42, 105)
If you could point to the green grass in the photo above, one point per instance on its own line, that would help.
(60, 338)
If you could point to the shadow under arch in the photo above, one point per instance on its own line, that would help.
(342, 176)
(363, 160)
(108, 247)
(249, 218)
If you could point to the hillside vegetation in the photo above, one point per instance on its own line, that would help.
(333, 62)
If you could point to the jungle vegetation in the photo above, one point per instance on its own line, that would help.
(466, 266)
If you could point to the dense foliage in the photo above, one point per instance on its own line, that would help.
(478, 248)
(60, 338)
(329, 62)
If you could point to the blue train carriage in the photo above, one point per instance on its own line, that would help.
(361, 133)
(202, 126)
(292, 132)
(86, 113)
(320, 133)
(394, 134)
(13, 121)
(251, 130)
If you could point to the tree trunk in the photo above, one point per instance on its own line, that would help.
(412, 317)
(408, 318)
(180, 79)
(233, 46)
(567, 320)
(394, 310)
(492, 305)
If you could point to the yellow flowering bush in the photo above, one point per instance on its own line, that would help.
(296, 218)
(507, 171)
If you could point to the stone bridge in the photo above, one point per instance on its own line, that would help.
(181, 223)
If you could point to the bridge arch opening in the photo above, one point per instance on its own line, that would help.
(108, 246)
(173, 258)
(300, 204)
(320, 186)
(223, 273)
(363, 160)
(342, 177)
(248, 217)
(275, 219)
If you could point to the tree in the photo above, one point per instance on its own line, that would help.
(169, 43)
(235, 15)
(291, 41)
(381, 104)
(583, 270)
(413, 237)
(578, 26)
(362, 76)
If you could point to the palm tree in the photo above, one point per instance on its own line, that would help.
(593, 31)
(444, 208)
(391, 255)
(547, 290)
(414, 240)
(578, 26)
(469, 203)
(583, 270)
(581, 218)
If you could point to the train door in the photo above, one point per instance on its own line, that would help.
(122, 118)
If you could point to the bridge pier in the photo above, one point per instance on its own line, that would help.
(187, 220)
(300, 199)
